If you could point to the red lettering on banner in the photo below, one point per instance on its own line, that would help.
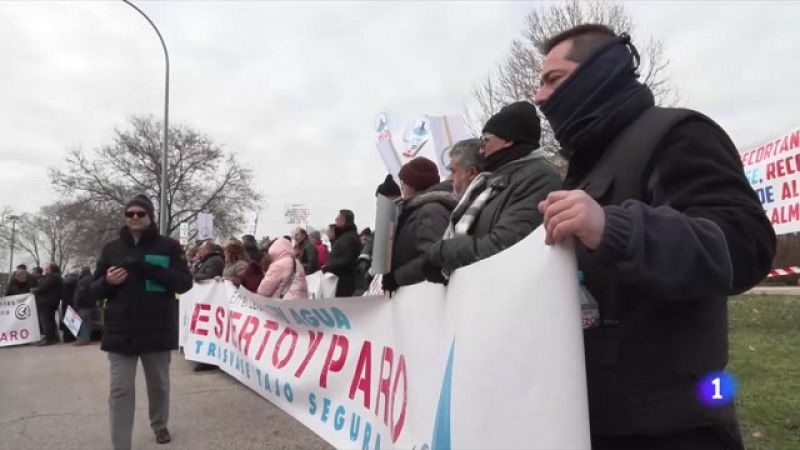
(280, 364)
(235, 315)
(314, 338)
(785, 214)
(12, 335)
(198, 316)
(24, 333)
(397, 427)
(768, 150)
(384, 384)
(270, 326)
(770, 171)
(794, 141)
(219, 327)
(789, 189)
(361, 378)
(249, 329)
(334, 365)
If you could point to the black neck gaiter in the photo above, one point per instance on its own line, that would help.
(598, 100)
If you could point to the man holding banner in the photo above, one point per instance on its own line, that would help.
(140, 274)
(499, 208)
(667, 227)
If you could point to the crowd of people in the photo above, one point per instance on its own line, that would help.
(665, 226)
(54, 292)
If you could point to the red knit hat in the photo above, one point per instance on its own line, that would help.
(420, 173)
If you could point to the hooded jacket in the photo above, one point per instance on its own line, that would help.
(279, 273)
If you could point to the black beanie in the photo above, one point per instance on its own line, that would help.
(517, 122)
(142, 201)
(388, 188)
(420, 173)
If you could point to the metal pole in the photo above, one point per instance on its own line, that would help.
(162, 210)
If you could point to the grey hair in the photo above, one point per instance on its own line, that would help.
(468, 153)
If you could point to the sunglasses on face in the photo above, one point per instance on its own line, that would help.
(137, 214)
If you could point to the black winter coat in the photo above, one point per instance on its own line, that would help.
(15, 287)
(142, 313)
(49, 290)
(683, 231)
(211, 266)
(70, 284)
(309, 257)
(422, 222)
(343, 259)
(84, 297)
(509, 215)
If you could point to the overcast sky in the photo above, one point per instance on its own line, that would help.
(294, 88)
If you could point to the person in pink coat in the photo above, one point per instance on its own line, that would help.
(285, 278)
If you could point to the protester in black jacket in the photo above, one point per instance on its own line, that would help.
(499, 208)
(343, 259)
(424, 215)
(140, 274)
(211, 262)
(305, 251)
(666, 227)
(21, 283)
(48, 293)
(85, 303)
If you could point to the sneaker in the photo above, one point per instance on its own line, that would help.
(162, 436)
(80, 343)
(44, 342)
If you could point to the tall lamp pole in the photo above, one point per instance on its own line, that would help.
(163, 213)
(14, 220)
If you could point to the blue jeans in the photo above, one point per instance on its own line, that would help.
(85, 333)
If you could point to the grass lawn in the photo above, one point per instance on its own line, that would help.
(765, 360)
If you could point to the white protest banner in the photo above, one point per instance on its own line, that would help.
(446, 131)
(386, 212)
(386, 146)
(495, 360)
(72, 320)
(205, 226)
(296, 214)
(19, 322)
(773, 169)
(184, 233)
(321, 285)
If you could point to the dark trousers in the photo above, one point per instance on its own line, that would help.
(700, 438)
(47, 320)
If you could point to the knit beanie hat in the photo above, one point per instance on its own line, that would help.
(420, 173)
(517, 122)
(142, 201)
(388, 188)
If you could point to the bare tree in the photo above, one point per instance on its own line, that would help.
(516, 77)
(47, 236)
(201, 178)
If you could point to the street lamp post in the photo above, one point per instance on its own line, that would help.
(163, 213)
(14, 220)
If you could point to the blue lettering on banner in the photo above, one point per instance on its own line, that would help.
(316, 317)
(368, 438)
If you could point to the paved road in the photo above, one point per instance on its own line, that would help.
(56, 397)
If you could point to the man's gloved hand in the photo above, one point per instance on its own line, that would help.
(432, 272)
(388, 283)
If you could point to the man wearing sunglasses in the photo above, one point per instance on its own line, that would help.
(140, 273)
(666, 227)
(498, 208)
